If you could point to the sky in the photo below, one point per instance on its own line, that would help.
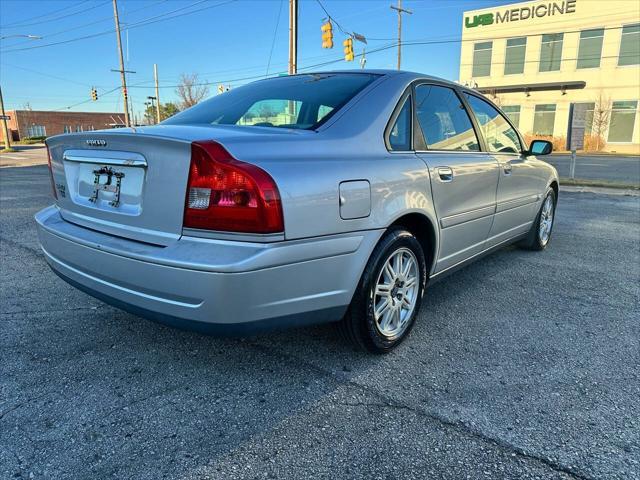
(223, 41)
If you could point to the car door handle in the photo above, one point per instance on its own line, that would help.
(445, 174)
(507, 168)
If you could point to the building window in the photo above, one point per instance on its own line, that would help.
(79, 128)
(544, 119)
(513, 113)
(514, 56)
(90, 128)
(551, 52)
(68, 129)
(630, 45)
(590, 48)
(482, 59)
(36, 131)
(623, 119)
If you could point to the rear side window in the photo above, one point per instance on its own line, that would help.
(297, 101)
(496, 130)
(400, 133)
(443, 119)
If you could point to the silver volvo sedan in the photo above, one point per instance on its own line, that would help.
(320, 197)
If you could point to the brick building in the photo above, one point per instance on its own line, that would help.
(33, 123)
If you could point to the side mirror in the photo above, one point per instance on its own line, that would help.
(540, 147)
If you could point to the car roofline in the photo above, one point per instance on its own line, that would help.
(411, 76)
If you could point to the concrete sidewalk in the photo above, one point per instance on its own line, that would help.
(24, 156)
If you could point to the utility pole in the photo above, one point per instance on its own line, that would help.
(122, 72)
(293, 37)
(5, 129)
(155, 77)
(400, 12)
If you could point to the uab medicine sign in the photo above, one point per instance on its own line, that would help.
(522, 13)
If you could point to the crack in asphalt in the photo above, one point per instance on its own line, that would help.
(388, 402)
(16, 406)
(33, 251)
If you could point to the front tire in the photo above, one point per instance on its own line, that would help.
(540, 234)
(388, 297)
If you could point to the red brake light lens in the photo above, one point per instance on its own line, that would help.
(229, 195)
(53, 183)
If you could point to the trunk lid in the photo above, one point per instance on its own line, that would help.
(122, 183)
(151, 165)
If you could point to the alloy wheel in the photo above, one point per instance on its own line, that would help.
(396, 292)
(546, 220)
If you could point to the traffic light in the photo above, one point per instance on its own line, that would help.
(94, 94)
(348, 50)
(327, 35)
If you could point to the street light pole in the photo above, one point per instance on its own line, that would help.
(5, 129)
(155, 77)
(400, 12)
(122, 72)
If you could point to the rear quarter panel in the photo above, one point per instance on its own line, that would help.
(308, 169)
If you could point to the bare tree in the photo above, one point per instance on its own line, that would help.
(191, 90)
(600, 121)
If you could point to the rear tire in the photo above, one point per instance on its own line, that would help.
(389, 294)
(539, 235)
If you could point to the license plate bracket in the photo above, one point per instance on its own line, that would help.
(108, 186)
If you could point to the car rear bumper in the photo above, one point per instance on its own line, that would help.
(221, 287)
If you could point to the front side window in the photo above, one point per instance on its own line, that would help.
(551, 52)
(544, 119)
(623, 120)
(443, 119)
(400, 133)
(299, 101)
(498, 134)
(482, 59)
(513, 113)
(515, 55)
(630, 45)
(590, 49)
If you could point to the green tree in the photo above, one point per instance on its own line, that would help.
(166, 110)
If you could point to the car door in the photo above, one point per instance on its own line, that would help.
(520, 185)
(463, 177)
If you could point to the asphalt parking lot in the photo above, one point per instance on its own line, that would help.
(523, 365)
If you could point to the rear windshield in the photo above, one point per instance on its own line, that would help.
(300, 101)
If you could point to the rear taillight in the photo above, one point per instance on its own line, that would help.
(53, 183)
(229, 195)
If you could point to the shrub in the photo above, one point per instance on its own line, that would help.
(559, 143)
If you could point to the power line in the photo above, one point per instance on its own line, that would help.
(333, 19)
(19, 24)
(141, 23)
(84, 25)
(61, 17)
(84, 101)
(47, 75)
(275, 33)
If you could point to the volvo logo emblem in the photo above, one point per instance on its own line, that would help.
(96, 143)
